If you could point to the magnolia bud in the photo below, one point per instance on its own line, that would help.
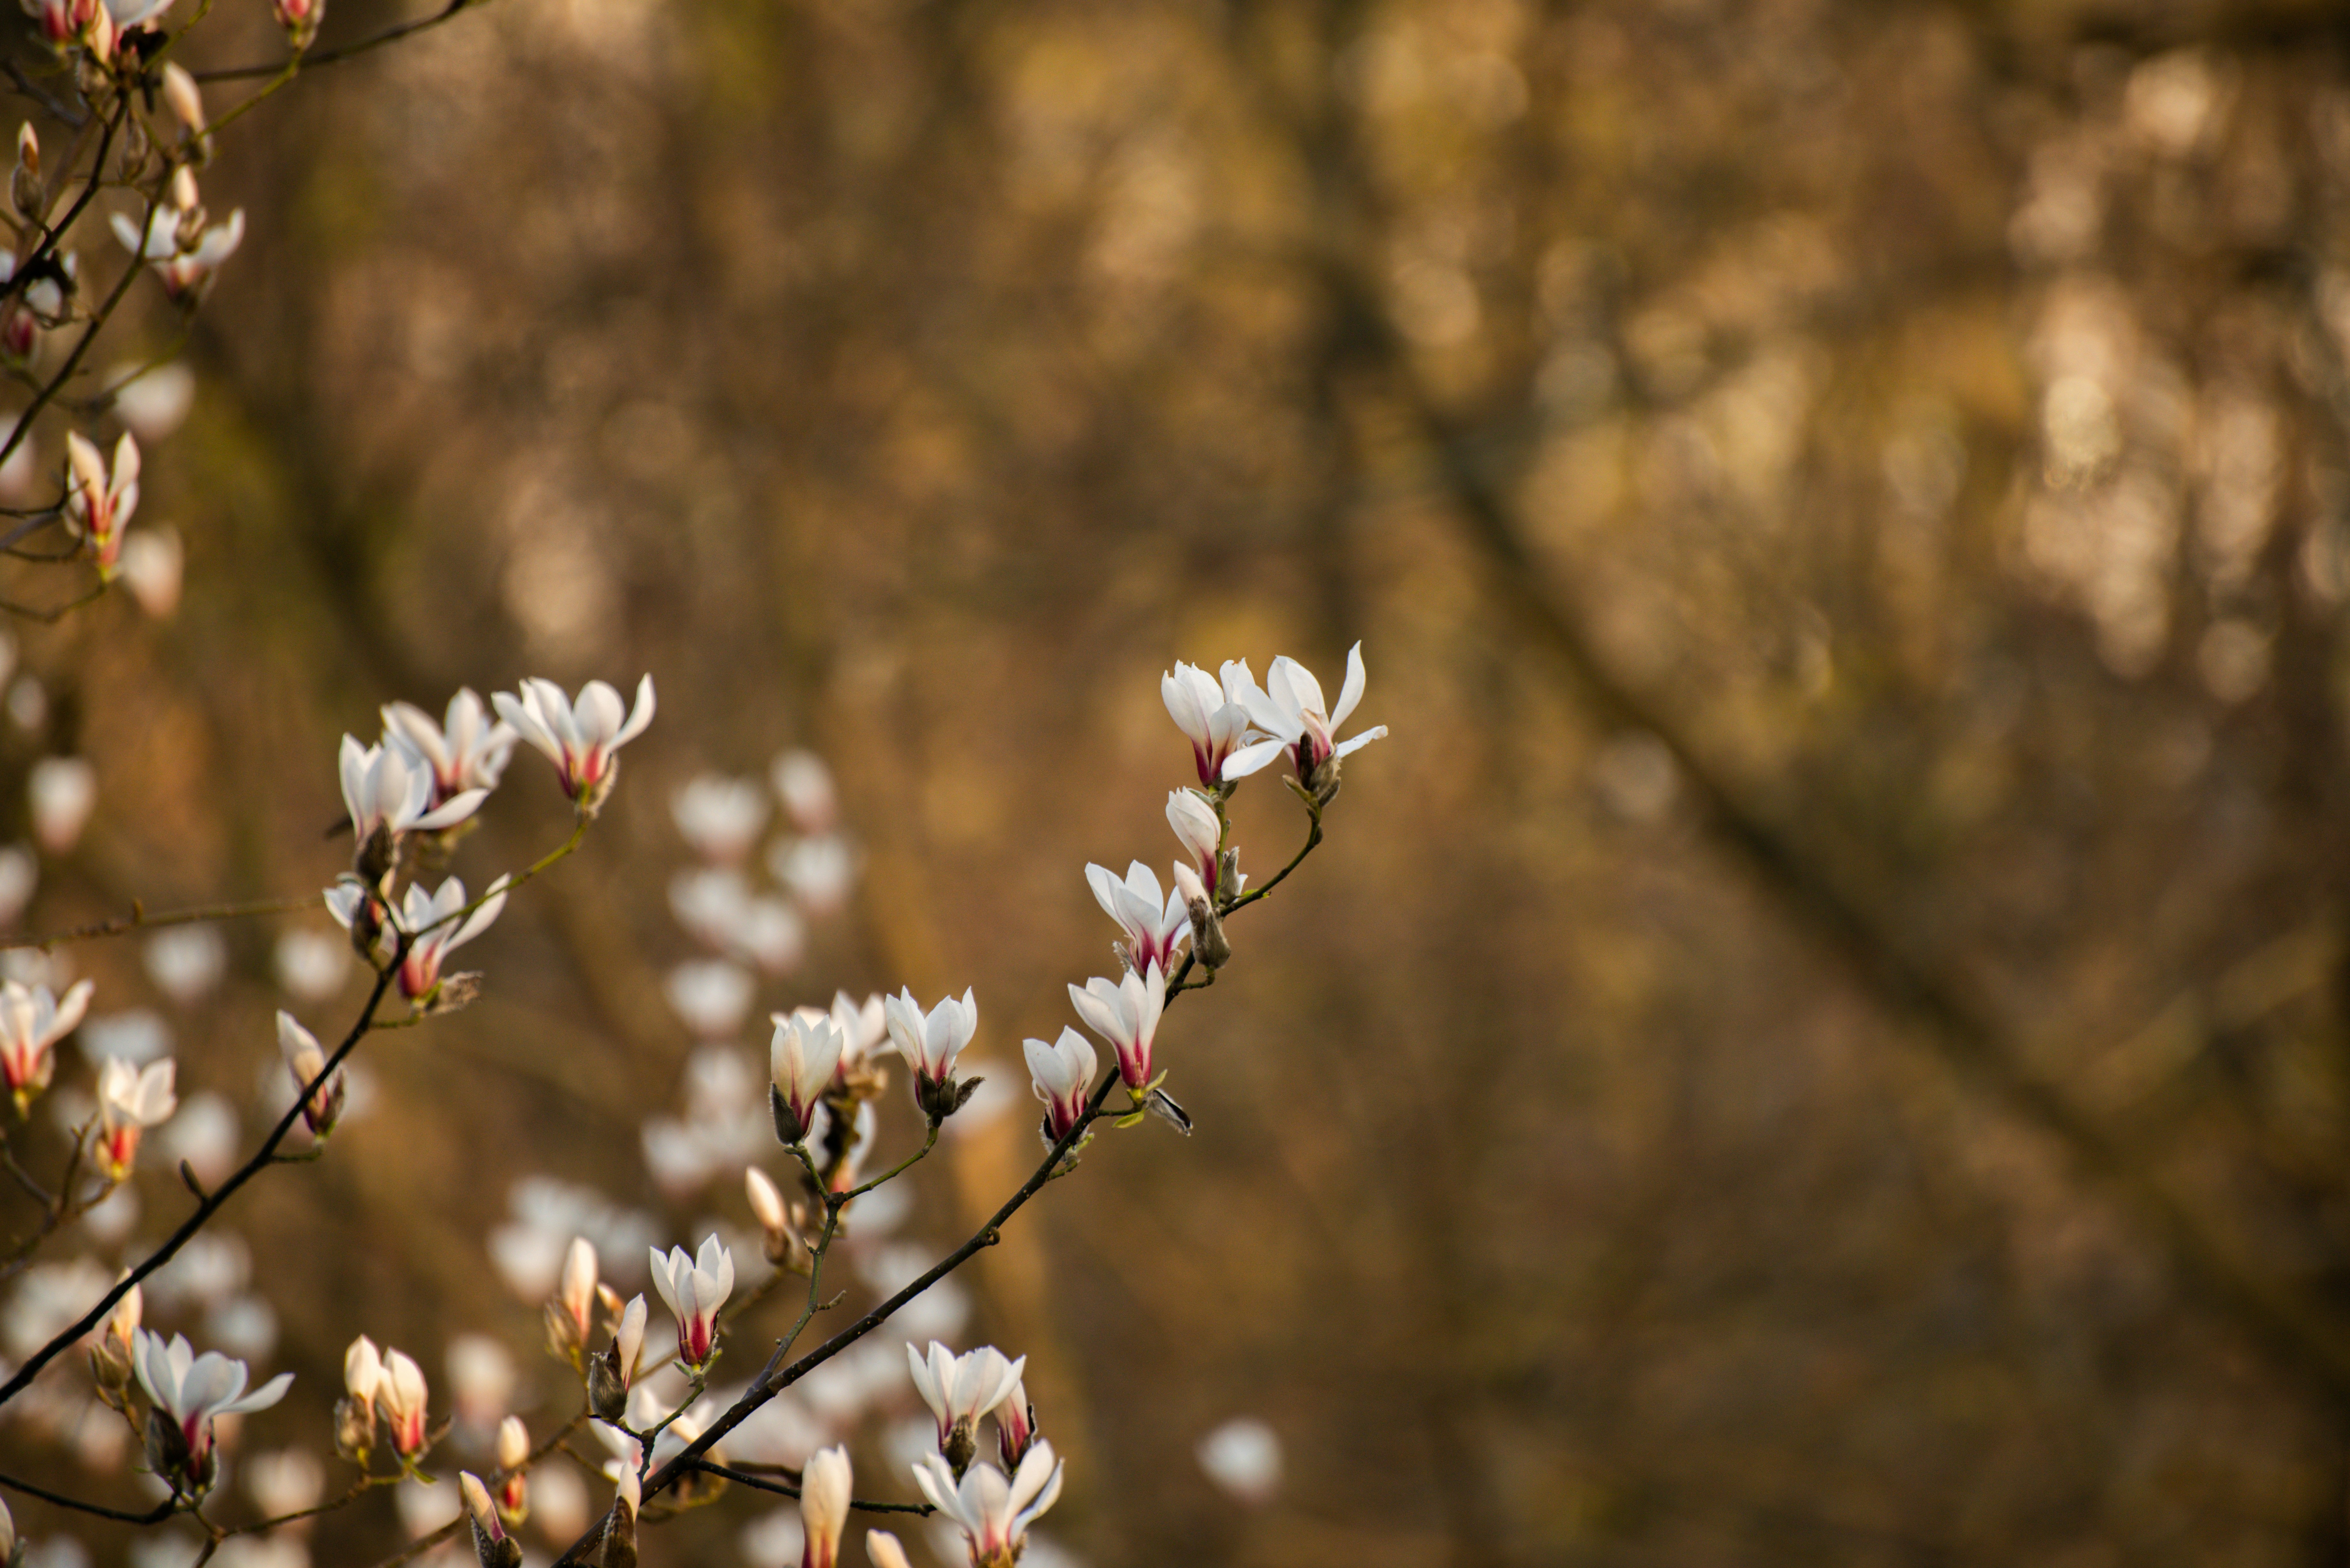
(300, 19)
(514, 1453)
(608, 1392)
(26, 189)
(619, 1547)
(883, 1551)
(354, 1429)
(1323, 780)
(1209, 944)
(187, 99)
(1015, 1426)
(961, 1446)
(111, 1358)
(784, 1244)
(492, 1545)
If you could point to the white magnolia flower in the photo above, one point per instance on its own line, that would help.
(185, 265)
(432, 919)
(1063, 1074)
(389, 787)
(694, 1288)
(824, 1507)
(1196, 823)
(820, 871)
(1154, 926)
(62, 791)
(186, 961)
(961, 1389)
(720, 817)
(864, 1027)
(883, 1550)
(580, 738)
(32, 1021)
(483, 1513)
(154, 563)
(188, 1391)
(179, 90)
(99, 505)
(1125, 1013)
(806, 1051)
(130, 1100)
(465, 752)
(1215, 717)
(575, 1295)
(311, 964)
(993, 1513)
(151, 400)
(929, 1045)
(400, 1396)
(1290, 711)
(710, 995)
(362, 1370)
(804, 783)
(1244, 1458)
(513, 1452)
(20, 873)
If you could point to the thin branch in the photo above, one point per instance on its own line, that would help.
(342, 52)
(782, 1489)
(161, 1512)
(138, 919)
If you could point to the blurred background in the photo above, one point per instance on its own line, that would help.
(1821, 1036)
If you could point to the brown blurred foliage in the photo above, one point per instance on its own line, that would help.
(1820, 1038)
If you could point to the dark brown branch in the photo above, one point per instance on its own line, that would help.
(785, 1489)
(339, 53)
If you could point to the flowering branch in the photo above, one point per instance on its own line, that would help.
(138, 919)
(342, 52)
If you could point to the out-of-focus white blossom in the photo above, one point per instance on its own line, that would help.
(1154, 926)
(154, 563)
(1063, 1074)
(693, 1289)
(804, 783)
(186, 961)
(771, 935)
(152, 401)
(62, 789)
(311, 965)
(1289, 709)
(720, 817)
(583, 738)
(1125, 1012)
(204, 1135)
(710, 904)
(481, 1379)
(710, 995)
(1244, 1458)
(32, 1021)
(436, 931)
(129, 1100)
(1213, 717)
(284, 1481)
(820, 871)
(188, 1391)
(465, 752)
(993, 1512)
(801, 1059)
(20, 873)
(28, 703)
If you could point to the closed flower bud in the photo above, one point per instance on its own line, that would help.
(399, 1395)
(514, 1453)
(300, 19)
(492, 1545)
(784, 1245)
(567, 1310)
(611, 1373)
(305, 1060)
(1015, 1426)
(1209, 943)
(110, 1363)
(354, 1429)
(26, 189)
(883, 1551)
(619, 1547)
(824, 1507)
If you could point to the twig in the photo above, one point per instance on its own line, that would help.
(138, 919)
(782, 1489)
(340, 52)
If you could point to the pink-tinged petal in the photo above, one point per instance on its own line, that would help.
(597, 714)
(527, 724)
(1351, 691)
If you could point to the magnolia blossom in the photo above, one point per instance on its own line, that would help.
(1154, 926)
(355, 1412)
(436, 932)
(720, 817)
(399, 1395)
(305, 1060)
(824, 1507)
(389, 789)
(929, 1045)
(783, 1243)
(992, 1512)
(960, 1390)
(99, 504)
(32, 1021)
(568, 1310)
(1290, 711)
(188, 1391)
(1125, 1013)
(1015, 1426)
(62, 791)
(1196, 823)
(154, 563)
(806, 1050)
(580, 738)
(1063, 1073)
(129, 1101)
(883, 1550)
(804, 783)
(465, 752)
(300, 19)
(1215, 717)
(66, 21)
(694, 1289)
(864, 1028)
(178, 244)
